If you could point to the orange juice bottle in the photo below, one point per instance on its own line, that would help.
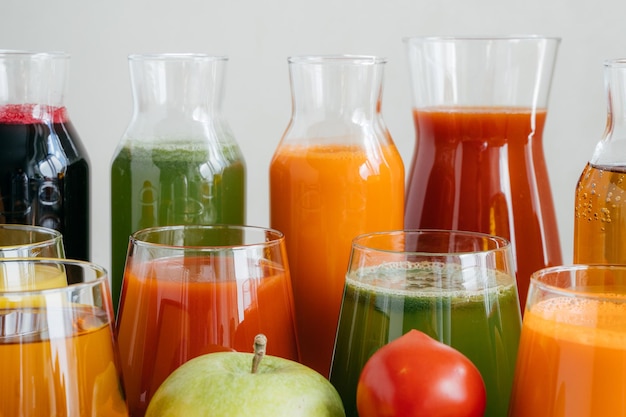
(335, 174)
(600, 206)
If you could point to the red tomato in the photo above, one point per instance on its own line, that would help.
(416, 375)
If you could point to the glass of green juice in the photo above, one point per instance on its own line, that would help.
(458, 287)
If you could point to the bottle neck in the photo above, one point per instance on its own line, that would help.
(177, 87)
(331, 93)
(611, 150)
(33, 87)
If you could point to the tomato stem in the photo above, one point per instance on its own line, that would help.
(260, 342)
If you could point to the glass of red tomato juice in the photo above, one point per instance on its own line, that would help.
(572, 354)
(191, 290)
(458, 287)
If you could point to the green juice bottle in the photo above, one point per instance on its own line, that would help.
(178, 161)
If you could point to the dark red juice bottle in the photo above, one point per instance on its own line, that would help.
(44, 169)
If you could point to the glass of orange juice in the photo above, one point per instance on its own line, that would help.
(57, 352)
(191, 290)
(572, 354)
(26, 241)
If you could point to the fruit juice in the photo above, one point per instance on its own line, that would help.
(387, 301)
(27, 277)
(168, 317)
(483, 170)
(321, 198)
(65, 368)
(600, 216)
(171, 184)
(44, 175)
(572, 360)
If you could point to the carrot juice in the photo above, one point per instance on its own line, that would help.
(177, 308)
(482, 169)
(322, 197)
(65, 367)
(572, 360)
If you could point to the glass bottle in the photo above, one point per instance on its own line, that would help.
(600, 200)
(178, 161)
(480, 106)
(44, 169)
(336, 173)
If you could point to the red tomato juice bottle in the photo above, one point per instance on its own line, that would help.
(479, 163)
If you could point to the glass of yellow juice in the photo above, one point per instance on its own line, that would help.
(26, 241)
(57, 350)
(572, 354)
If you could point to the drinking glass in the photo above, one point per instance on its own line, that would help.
(25, 241)
(57, 352)
(458, 287)
(190, 290)
(572, 354)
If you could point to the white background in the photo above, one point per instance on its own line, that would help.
(259, 35)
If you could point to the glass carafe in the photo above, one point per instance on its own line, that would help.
(178, 161)
(335, 174)
(480, 107)
(600, 206)
(44, 169)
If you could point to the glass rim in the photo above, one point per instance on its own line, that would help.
(482, 38)
(538, 283)
(278, 237)
(500, 242)
(100, 271)
(178, 57)
(54, 234)
(341, 59)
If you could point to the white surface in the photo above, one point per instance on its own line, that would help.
(259, 35)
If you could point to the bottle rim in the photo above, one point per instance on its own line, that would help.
(341, 59)
(6, 54)
(177, 56)
(615, 62)
(482, 38)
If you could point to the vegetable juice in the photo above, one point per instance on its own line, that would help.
(44, 175)
(385, 302)
(178, 308)
(482, 169)
(171, 184)
(321, 198)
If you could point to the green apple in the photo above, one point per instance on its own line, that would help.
(233, 384)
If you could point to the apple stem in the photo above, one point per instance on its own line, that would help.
(260, 342)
